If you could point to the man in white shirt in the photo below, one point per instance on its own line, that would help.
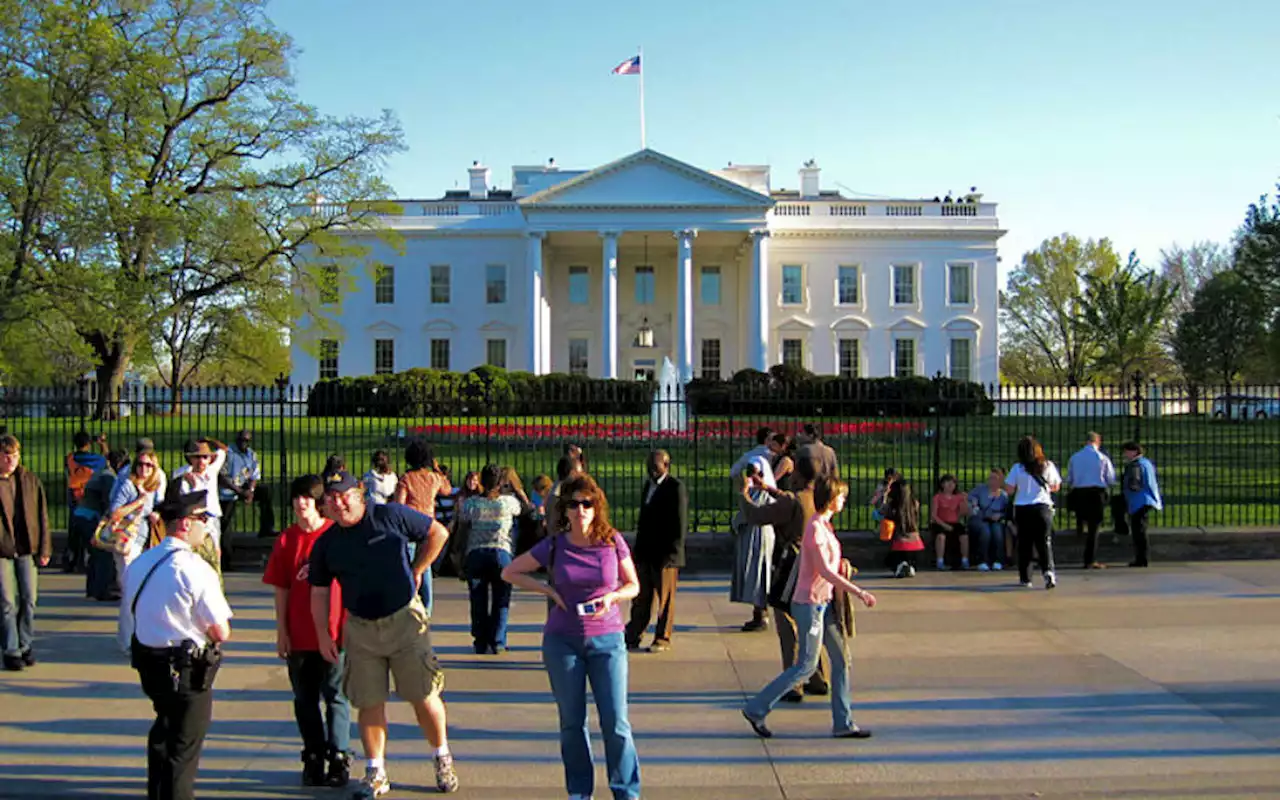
(761, 456)
(1090, 474)
(177, 617)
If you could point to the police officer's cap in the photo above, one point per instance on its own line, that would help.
(181, 506)
(339, 481)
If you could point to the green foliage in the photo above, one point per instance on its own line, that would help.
(1224, 329)
(1042, 309)
(1257, 255)
(1125, 310)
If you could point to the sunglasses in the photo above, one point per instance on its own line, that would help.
(580, 504)
(142, 464)
(200, 456)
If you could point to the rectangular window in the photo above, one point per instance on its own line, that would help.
(847, 286)
(495, 284)
(328, 359)
(384, 285)
(579, 288)
(579, 363)
(440, 354)
(961, 360)
(384, 356)
(904, 358)
(644, 286)
(792, 285)
(904, 284)
(327, 284)
(711, 359)
(709, 286)
(496, 353)
(849, 357)
(960, 284)
(441, 290)
(793, 353)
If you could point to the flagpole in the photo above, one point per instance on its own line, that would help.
(640, 54)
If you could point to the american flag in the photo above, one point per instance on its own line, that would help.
(629, 67)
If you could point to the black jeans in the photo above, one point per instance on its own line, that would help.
(1090, 504)
(313, 680)
(182, 720)
(1138, 527)
(1035, 526)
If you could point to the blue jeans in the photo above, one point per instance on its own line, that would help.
(424, 591)
(490, 597)
(17, 604)
(988, 541)
(314, 679)
(571, 661)
(815, 625)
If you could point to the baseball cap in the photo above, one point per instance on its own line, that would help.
(144, 445)
(180, 506)
(339, 481)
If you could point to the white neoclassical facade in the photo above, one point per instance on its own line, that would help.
(604, 272)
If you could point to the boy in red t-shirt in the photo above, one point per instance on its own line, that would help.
(310, 674)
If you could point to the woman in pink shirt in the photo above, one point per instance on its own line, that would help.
(817, 578)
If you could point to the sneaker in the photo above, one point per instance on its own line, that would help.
(446, 778)
(911, 571)
(854, 733)
(901, 571)
(659, 647)
(312, 769)
(758, 726)
(339, 770)
(964, 563)
(983, 568)
(1025, 584)
(1049, 580)
(374, 784)
(996, 567)
(29, 658)
(14, 663)
(942, 566)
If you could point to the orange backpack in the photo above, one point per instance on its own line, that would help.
(78, 476)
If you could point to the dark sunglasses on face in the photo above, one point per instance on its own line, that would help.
(142, 464)
(200, 456)
(580, 504)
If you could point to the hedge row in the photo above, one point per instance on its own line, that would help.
(490, 391)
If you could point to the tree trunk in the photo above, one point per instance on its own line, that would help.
(110, 374)
(175, 406)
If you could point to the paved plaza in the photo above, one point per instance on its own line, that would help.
(1121, 684)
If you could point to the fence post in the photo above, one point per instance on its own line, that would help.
(282, 491)
(1138, 402)
(937, 428)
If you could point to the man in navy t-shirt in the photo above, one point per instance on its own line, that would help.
(388, 630)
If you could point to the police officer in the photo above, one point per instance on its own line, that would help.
(177, 615)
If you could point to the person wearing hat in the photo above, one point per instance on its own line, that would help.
(388, 631)
(176, 616)
(205, 457)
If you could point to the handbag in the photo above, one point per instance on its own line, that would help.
(886, 529)
(783, 583)
(114, 537)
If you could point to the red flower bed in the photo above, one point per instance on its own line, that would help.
(640, 430)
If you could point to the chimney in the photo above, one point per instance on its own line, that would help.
(479, 181)
(809, 185)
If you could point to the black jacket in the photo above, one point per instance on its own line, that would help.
(663, 524)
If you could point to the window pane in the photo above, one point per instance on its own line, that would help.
(579, 290)
(644, 286)
(495, 284)
(849, 366)
(904, 285)
(961, 364)
(384, 356)
(848, 286)
(960, 280)
(711, 359)
(440, 354)
(327, 284)
(578, 359)
(793, 352)
(496, 353)
(384, 287)
(710, 286)
(440, 289)
(328, 359)
(792, 285)
(904, 357)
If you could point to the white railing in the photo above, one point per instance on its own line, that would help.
(950, 210)
(497, 209)
(792, 209)
(440, 209)
(904, 211)
(846, 210)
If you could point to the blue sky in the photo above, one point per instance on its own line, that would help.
(1147, 122)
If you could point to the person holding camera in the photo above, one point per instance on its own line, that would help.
(589, 571)
(177, 617)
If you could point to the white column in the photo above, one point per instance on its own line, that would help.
(684, 305)
(609, 306)
(758, 343)
(534, 286)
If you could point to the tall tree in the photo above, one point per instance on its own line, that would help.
(1223, 330)
(176, 145)
(1189, 268)
(1125, 310)
(1042, 308)
(1257, 254)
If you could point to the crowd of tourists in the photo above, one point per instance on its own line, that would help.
(352, 577)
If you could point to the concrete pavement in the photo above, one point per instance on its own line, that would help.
(1160, 683)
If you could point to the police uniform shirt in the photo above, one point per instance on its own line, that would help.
(181, 600)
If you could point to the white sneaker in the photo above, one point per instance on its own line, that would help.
(983, 568)
(911, 571)
(901, 570)
(1049, 580)
(375, 784)
(997, 566)
(1025, 584)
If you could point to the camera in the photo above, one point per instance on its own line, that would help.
(751, 470)
(588, 608)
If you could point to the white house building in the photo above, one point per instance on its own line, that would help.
(604, 272)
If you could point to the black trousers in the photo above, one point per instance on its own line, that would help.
(1138, 527)
(1035, 526)
(177, 735)
(230, 521)
(1089, 505)
(657, 585)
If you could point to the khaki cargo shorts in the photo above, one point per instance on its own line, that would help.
(399, 645)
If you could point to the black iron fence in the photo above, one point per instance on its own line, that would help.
(1215, 449)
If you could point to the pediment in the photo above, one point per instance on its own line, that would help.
(851, 322)
(962, 324)
(796, 324)
(908, 324)
(647, 179)
(497, 326)
(439, 325)
(383, 327)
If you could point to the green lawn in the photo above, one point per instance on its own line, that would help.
(1214, 473)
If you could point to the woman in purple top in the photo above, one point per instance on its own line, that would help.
(590, 570)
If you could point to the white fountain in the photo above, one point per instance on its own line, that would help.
(669, 412)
